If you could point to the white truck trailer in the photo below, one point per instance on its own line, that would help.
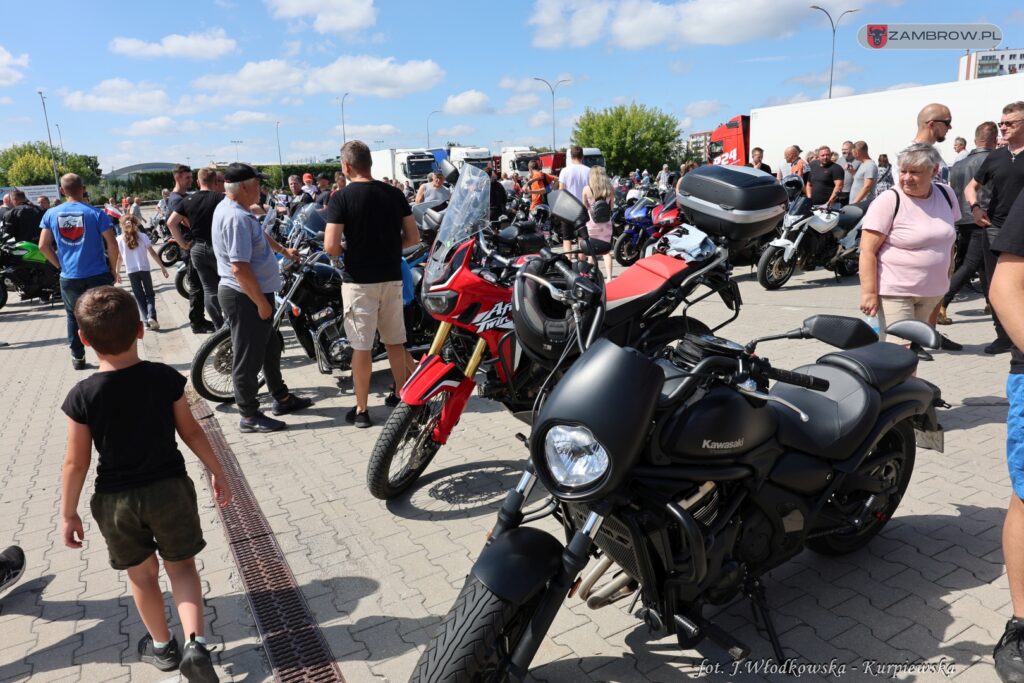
(517, 160)
(474, 156)
(403, 164)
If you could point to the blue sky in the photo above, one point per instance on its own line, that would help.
(134, 82)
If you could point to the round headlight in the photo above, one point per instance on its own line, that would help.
(574, 457)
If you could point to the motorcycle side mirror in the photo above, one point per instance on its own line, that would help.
(448, 170)
(915, 332)
(838, 330)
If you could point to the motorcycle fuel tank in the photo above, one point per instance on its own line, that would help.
(721, 425)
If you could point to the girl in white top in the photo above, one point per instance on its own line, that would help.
(134, 250)
(600, 187)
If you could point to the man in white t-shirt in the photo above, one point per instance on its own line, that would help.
(573, 178)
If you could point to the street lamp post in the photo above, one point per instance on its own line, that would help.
(60, 137)
(236, 143)
(436, 111)
(53, 161)
(552, 89)
(280, 162)
(835, 25)
(344, 138)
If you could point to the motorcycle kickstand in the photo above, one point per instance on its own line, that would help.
(759, 605)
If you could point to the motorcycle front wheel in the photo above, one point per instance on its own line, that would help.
(181, 282)
(627, 249)
(169, 254)
(476, 639)
(404, 448)
(211, 368)
(773, 270)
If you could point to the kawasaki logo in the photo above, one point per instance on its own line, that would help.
(721, 445)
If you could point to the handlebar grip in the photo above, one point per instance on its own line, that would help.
(569, 274)
(799, 379)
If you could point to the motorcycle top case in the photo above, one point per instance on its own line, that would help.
(734, 202)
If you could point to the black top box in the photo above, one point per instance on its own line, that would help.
(735, 202)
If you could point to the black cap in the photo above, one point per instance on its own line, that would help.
(324, 176)
(237, 173)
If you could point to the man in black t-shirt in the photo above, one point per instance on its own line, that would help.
(1000, 173)
(377, 223)
(323, 190)
(197, 208)
(182, 184)
(299, 196)
(825, 179)
(757, 161)
(1005, 291)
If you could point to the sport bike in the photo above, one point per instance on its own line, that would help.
(25, 270)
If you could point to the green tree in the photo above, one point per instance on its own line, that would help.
(30, 169)
(630, 136)
(11, 154)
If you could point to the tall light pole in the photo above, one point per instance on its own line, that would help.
(344, 139)
(835, 25)
(280, 162)
(552, 89)
(53, 161)
(236, 143)
(436, 111)
(61, 138)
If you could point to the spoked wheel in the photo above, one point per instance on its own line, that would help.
(211, 368)
(627, 249)
(404, 449)
(181, 282)
(169, 254)
(475, 641)
(891, 462)
(773, 270)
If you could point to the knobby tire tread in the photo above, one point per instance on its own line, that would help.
(377, 469)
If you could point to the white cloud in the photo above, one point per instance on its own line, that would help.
(840, 91)
(254, 78)
(702, 108)
(468, 102)
(842, 70)
(329, 16)
(457, 131)
(382, 77)
(160, 125)
(371, 131)
(645, 24)
(520, 102)
(777, 100)
(680, 68)
(686, 123)
(541, 118)
(242, 117)
(563, 103)
(576, 23)
(121, 96)
(5, 100)
(209, 44)
(519, 84)
(10, 67)
(292, 48)
(901, 86)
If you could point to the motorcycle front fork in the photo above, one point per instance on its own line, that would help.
(456, 403)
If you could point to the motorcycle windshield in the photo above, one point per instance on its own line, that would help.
(467, 212)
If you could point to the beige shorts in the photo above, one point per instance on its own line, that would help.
(896, 308)
(370, 308)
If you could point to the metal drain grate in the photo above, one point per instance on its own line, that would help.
(295, 646)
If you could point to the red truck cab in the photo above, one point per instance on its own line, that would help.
(730, 142)
(552, 162)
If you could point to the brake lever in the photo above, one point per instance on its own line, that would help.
(556, 293)
(767, 397)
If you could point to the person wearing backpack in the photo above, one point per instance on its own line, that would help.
(907, 243)
(599, 198)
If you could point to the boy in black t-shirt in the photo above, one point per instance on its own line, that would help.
(144, 500)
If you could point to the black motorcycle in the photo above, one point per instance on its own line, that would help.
(688, 493)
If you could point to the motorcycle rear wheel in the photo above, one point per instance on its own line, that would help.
(892, 460)
(169, 254)
(404, 448)
(475, 640)
(211, 368)
(181, 283)
(626, 251)
(772, 269)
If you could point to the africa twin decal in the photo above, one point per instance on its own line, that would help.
(497, 318)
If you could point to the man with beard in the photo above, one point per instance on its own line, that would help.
(933, 125)
(824, 179)
(299, 196)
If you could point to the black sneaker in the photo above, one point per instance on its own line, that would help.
(260, 423)
(998, 346)
(78, 363)
(391, 400)
(196, 665)
(1007, 655)
(12, 566)
(166, 659)
(361, 420)
(950, 345)
(204, 328)
(290, 404)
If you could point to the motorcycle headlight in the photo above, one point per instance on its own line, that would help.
(574, 457)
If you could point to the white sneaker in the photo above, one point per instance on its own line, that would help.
(153, 324)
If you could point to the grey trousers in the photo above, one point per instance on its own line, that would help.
(255, 346)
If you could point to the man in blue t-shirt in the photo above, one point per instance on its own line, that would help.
(72, 238)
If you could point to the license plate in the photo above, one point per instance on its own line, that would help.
(935, 441)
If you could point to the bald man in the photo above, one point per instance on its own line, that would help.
(933, 125)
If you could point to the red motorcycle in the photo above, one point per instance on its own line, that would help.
(474, 279)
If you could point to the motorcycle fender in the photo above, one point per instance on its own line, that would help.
(788, 245)
(431, 377)
(518, 564)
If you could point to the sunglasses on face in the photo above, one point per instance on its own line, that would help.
(948, 123)
(1009, 124)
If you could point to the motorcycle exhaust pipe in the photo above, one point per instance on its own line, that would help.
(593, 576)
(620, 587)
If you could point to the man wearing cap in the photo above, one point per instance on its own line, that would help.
(249, 277)
(299, 196)
(323, 190)
(308, 186)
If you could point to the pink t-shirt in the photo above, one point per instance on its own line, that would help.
(914, 260)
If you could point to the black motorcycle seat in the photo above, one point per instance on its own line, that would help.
(840, 418)
(881, 365)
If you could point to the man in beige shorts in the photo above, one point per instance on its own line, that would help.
(377, 223)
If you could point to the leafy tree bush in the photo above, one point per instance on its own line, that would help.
(630, 136)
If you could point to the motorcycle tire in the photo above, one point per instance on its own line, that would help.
(847, 267)
(169, 254)
(211, 368)
(475, 640)
(892, 460)
(772, 269)
(181, 282)
(406, 440)
(625, 251)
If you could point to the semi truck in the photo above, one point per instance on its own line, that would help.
(886, 120)
(414, 165)
(517, 160)
(474, 156)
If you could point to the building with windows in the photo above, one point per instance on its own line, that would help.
(697, 144)
(986, 63)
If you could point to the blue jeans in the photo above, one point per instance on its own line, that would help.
(142, 288)
(70, 290)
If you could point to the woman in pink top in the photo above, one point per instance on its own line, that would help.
(906, 245)
(600, 187)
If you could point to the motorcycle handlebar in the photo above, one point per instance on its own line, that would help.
(798, 379)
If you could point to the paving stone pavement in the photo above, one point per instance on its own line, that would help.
(378, 577)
